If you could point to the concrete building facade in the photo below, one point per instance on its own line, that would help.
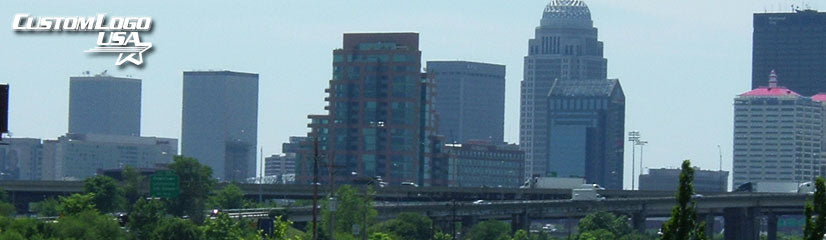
(78, 156)
(778, 135)
(220, 122)
(470, 100)
(665, 179)
(103, 104)
(481, 164)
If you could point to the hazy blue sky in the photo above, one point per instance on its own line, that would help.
(679, 62)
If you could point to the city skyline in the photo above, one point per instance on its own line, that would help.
(702, 123)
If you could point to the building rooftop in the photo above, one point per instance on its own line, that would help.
(583, 88)
(820, 97)
(772, 90)
(567, 13)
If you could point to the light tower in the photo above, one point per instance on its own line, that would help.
(634, 138)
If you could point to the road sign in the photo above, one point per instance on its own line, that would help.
(164, 184)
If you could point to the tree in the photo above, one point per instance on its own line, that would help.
(280, 229)
(88, 224)
(490, 230)
(408, 226)
(76, 203)
(520, 234)
(230, 197)
(598, 234)
(144, 217)
(616, 225)
(353, 209)
(195, 181)
(683, 224)
(108, 196)
(442, 236)
(133, 182)
(47, 208)
(177, 229)
(222, 227)
(815, 229)
(381, 236)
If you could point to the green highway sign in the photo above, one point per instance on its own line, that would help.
(164, 184)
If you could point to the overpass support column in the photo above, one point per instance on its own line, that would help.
(709, 220)
(467, 223)
(520, 221)
(771, 224)
(741, 223)
(752, 222)
(638, 221)
(733, 223)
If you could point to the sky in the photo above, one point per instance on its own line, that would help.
(680, 63)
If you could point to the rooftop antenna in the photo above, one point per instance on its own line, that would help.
(720, 150)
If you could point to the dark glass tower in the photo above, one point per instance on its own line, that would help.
(470, 100)
(586, 124)
(565, 48)
(379, 118)
(793, 44)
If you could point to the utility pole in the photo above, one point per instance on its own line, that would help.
(642, 144)
(315, 188)
(332, 200)
(261, 175)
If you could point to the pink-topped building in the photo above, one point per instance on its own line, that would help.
(778, 135)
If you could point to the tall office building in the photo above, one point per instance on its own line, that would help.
(565, 48)
(380, 116)
(586, 123)
(794, 44)
(103, 104)
(777, 135)
(470, 100)
(220, 122)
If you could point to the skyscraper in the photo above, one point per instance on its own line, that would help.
(220, 122)
(794, 44)
(379, 118)
(470, 100)
(103, 104)
(586, 123)
(565, 48)
(777, 135)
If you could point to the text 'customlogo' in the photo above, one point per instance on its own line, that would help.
(115, 35)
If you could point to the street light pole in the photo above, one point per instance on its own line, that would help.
(633, 137)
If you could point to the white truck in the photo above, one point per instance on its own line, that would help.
(580, 191)
(553, 183)
(776, 187)
(586, 194)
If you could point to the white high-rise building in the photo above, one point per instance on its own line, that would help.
(778, 135)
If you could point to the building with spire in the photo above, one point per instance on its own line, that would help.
(778, 135)
(565, 51)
